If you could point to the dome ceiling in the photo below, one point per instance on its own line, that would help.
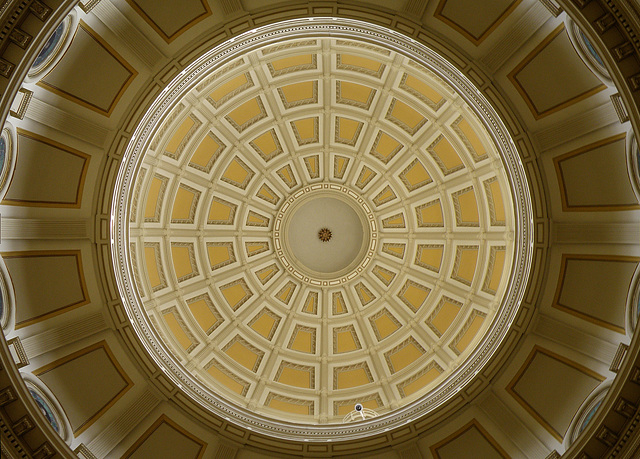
(141, 273)
(319, 223)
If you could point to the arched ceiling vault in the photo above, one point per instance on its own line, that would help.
(209, 191)
(232, 194)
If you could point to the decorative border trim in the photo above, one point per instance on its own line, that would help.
(194, 204)
(173, 310)
(72, 151)
(50, 253)
(566, 207)
(513, 77)
(564, 360)
(269, 313)
(476, 40)
(192, 260)
(177, 33)
(163, 419)
(589, 257)
(87, 350)
(470, 425)
(133, 73)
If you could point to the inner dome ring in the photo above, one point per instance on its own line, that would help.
(290, 256)
(121, 255)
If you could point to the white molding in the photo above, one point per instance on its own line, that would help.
(512, 426)
(595, 233)
(31, 228)
(128, 34)
(576, 126)
(67, 123)
(513, 40)
(114, 433)
(69, 333)
(576, 339)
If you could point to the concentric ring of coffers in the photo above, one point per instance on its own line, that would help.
(285, 108)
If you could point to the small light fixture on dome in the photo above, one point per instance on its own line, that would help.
(359, 413)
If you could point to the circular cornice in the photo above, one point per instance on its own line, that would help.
(522, 212)
(286, 253)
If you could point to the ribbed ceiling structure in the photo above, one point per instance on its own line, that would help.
(226, 222)
(246, 170)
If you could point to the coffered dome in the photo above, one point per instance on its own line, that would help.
(227, 222)
(413, 193)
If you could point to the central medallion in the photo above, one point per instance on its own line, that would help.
(302, 230)
(324, 234)
(319, 210)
